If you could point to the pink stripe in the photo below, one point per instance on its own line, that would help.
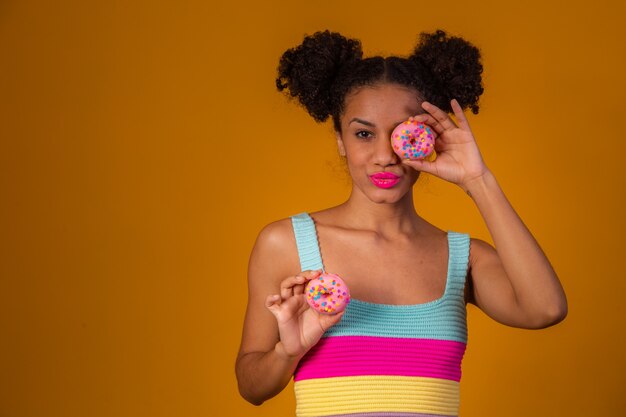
(367, 355)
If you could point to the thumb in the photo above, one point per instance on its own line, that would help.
(328, 321)
(420, 165)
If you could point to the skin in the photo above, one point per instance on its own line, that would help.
(386, 252)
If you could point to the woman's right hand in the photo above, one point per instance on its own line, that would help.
(300, 327)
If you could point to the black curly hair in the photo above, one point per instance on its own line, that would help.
(327, 66)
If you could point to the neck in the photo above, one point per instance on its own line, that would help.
(385, 219)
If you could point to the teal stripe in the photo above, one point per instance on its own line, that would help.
(444, 320)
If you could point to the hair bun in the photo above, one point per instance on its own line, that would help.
(309, 70)
(452, 70)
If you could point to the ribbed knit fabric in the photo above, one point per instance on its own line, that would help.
(384, 360)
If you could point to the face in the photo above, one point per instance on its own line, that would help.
(370, 115)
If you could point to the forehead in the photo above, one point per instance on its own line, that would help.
(383, 102)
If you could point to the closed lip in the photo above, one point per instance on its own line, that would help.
(384, 176)
(384, 179)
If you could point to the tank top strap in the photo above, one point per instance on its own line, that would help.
(458, 262)
(310, 256)
(306, 241)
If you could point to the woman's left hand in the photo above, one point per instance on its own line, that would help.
(458, 158)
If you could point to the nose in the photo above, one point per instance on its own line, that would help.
(384, 154)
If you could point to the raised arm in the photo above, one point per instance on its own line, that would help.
(514, 282)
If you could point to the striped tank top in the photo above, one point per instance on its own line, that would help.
(383, 359)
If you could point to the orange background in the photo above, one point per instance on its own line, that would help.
(143, 147)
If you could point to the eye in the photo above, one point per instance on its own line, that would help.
(363, 134)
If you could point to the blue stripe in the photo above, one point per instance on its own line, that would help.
(442, 320)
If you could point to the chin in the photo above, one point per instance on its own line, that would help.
(387, 196)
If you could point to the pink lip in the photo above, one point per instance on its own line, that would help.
(384, 179)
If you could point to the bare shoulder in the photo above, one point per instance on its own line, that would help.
(479, 246)
(275, 253)
(274, 257)
(276, 235)
(480, 250)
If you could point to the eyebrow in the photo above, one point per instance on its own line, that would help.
(363, 122)
(366, 123)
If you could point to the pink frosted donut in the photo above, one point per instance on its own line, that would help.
(413, 140)
(327, 294)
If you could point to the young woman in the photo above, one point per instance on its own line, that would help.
(397, 348)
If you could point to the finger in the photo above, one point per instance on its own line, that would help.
(272, 302)
(311, 273)
(430, 121)
(460, 115)
(298, 289)
(307, 276)
(442, 117)
(286, 286)
(421, 165)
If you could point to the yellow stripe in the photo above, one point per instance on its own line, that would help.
(361, 394)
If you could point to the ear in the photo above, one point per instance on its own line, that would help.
(340, 146)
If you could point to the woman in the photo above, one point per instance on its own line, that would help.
(398, 346)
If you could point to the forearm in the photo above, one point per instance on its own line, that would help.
(536, 286)
(262, 375)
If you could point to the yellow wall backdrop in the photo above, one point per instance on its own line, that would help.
(144, 146)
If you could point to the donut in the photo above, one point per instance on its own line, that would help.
(327, 294)
(413, 140)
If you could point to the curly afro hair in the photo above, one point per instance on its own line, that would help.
(322, 70)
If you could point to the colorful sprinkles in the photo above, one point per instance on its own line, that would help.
(413, 140)
(327, 294)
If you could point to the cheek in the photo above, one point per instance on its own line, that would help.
(357, 151)
(356, 160)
